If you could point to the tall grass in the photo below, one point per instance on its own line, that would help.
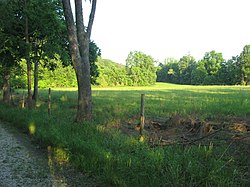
(119, 160)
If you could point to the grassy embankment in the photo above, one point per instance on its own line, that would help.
(124, 161)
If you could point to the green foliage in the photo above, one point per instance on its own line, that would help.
(54, 72)
(210, 66)
(12, 45)
(212, 62)
(47, 31)
(119, 160)
(141, 69)
(186, 65)
(199, 73)
(230, 72)
(18, 80)
(60, 77)
(211, 70)
(169, 71)
(111, 73)
(46, 35)
(245, 66)
(94, 53)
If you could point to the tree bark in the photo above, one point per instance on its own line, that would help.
(29, 99)
(84, 86)
(35, 92)
(6, 86)
(38, 56)
(79, 38)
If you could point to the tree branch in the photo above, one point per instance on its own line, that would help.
(79, 16)
(74, 50)
(91, 18)
(68, 16)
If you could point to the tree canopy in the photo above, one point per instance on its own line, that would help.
(210, 70)
(141, 68)
(245, 64)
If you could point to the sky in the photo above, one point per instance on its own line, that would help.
(171, 28)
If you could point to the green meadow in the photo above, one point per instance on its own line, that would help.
(162, 100)
(101, 149)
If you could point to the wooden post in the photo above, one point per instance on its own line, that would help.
(49, 102)
(142, 118)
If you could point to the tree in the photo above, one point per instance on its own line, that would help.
(141, 68)
(198, 74)
(94, 53)
(7, 61)
(186, 65)
(46, 43)
(230, 72)
(168, 71)
(111, 73)
(161, 73)
(11, 44)
(43, 43)
(29, 25)
(212, 62)
(209, 66)
(79, 38)
(245, 64)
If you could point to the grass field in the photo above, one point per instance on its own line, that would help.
(100, 148)
(163, 100)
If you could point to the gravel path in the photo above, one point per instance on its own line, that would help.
(24, 164)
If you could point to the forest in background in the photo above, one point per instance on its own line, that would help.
(141, 70)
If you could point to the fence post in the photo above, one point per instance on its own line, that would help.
(142, 118)
(49, 102)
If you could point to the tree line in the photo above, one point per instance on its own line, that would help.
(212, 69)
(140, 70)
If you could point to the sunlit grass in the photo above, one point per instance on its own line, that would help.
(32, 128)
(162, 99)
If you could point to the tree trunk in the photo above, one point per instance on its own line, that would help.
(6, 86)
(79, 49)
(29, 99)
(35, 92)
(84, 87)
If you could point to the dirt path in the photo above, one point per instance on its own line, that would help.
(24, 164)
